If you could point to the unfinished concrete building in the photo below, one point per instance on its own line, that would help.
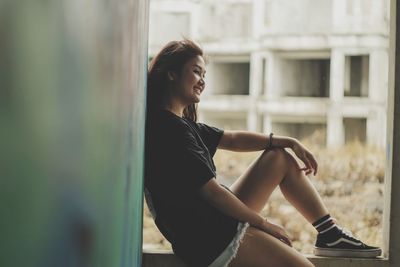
(300, 68)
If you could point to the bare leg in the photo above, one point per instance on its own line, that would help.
(259, 249)
(301, 193)
(274, 168)
(277, 167)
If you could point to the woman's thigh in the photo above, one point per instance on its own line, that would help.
(259, 249)
(256, 184)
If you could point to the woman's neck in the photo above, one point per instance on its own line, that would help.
(175, 108)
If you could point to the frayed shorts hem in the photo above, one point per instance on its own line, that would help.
(231, 250)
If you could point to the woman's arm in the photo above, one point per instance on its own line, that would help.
(244, 141)
(230, 205)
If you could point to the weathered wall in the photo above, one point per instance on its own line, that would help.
(168, 26)
(295, 19)
(72, 78)
(224, 20)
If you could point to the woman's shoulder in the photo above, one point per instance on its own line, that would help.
(165, 122)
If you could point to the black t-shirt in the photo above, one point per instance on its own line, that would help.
(178, 162)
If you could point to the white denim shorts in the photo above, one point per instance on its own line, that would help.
(230, 251)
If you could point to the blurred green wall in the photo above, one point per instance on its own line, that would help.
(72, 94)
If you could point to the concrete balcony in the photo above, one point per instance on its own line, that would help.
(295, 106)
(221, 103)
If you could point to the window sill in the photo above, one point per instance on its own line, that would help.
(165, 258)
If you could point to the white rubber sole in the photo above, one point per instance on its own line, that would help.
(347, 253)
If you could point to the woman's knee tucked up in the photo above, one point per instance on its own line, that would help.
(276, 156)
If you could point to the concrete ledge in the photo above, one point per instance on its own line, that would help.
(160, 258)
(347, 262)
(165, 258)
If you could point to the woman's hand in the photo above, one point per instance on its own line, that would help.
(306, 157)
(276, 231)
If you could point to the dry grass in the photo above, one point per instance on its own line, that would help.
(350, 181)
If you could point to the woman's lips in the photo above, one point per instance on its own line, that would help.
(198, 90)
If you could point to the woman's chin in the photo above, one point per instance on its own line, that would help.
(196, 100)
(193, 99)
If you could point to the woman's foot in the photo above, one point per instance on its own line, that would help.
(343, 244)
(334, 241)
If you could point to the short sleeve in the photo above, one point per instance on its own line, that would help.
(211, 136)
(195, 170)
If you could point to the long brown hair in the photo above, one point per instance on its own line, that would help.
(172, 57)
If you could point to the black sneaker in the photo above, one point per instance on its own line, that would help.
(344, 245)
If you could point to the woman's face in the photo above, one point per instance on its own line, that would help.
(190, 84)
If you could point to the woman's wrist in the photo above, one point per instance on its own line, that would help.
(260, 223)
(292, 142)
(265, 226)
(284, 141)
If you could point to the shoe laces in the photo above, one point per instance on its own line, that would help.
(347, 232)
(342, 229)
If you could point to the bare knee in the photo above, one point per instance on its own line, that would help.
(280, 158)
(275, 156)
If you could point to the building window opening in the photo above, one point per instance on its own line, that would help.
(356, 76)
(305, 77)
(229, 78)
(355, 130)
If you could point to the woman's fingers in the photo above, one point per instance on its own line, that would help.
(308, 165)
(315, 165)
(306, 170)
(278, 232)
(282, 237)
(311, 165)
(313, 162)
(286, 240)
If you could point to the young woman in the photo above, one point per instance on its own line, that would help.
(209, 224)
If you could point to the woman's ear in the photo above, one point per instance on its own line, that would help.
(171, 75)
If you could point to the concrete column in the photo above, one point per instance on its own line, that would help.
(255, 90)
(382, 119)
(267, 125)
(337, 75)
(252, 120)
(255, 74)
(378, 76)
(391, 214)
(335, 128)
(372, 128)
(376, 127)
(272, 76)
